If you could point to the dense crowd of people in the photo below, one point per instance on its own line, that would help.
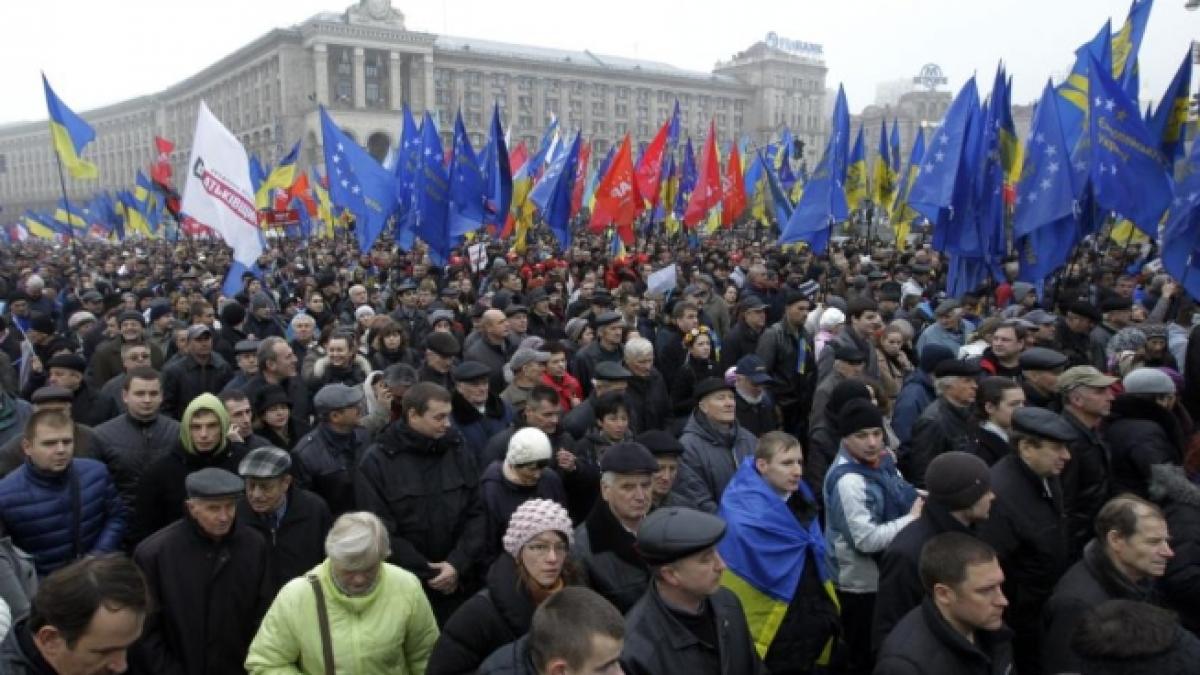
(722, 457)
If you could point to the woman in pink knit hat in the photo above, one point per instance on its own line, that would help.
(537, 542)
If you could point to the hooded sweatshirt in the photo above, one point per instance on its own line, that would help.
(161, 492)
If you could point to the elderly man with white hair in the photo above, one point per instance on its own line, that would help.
(646, 390)
(353, 613)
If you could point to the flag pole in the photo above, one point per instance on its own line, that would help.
(62, 182)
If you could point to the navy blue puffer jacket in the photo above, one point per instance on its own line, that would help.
(37, 511)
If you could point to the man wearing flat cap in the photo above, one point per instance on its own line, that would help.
(686, 622)
(848, 364)
(1115, 313)
(1142, 430)
(440, 351)
(1026, 524)
(327, 456)
(479, 412)
(209, 577)
(66, 371)
(105, 363)
(605, 542)
(526, 368)
(714, 445)
(743, 337)
(949, 423)
(605, 348)
(608, 377)
(1086, 480)
(1040, 368)
(960, 497)
(291, 519)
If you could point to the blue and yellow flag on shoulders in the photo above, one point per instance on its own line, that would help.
(70, 134)
(767, 552)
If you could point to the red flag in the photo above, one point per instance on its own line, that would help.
(649, 168)
(518, 157)
(734, 187)
(585, 153)
(616, 197)
(707, 192)
(160, 172)
(300, 190)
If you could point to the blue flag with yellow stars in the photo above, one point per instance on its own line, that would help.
(1126, 166)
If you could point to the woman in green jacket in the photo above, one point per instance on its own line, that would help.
(379, 620)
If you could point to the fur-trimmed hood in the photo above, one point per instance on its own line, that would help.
(1169, 482)
(360, 364)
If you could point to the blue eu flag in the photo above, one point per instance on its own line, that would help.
(432, 189)
(357, 183)
(1183, 231)
(1126, 165)
(466, 184)
(552, 194)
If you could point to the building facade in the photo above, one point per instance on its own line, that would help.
(364, 64)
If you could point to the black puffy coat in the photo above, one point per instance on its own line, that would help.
(426, 491)
(325, 461)
(185, 379)
(900, 588)
(297, 542)
(127, 446)
(495, 616)
(161, 491)
(656, 643)
(923, 643)
(1089, 583)
(742, 340)
(1140, 433)
(511, 659)
(210, 596)
(501, 497)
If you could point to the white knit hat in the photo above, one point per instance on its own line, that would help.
(831, 317)
(533, 518)
(527, 445)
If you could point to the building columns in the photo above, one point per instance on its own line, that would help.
(360, 78)
(321, 70)
(427, 71)
(396, 80)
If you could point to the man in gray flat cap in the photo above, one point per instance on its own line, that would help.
(327, 455)
(209, 577)
(686, 622)
(293, 520)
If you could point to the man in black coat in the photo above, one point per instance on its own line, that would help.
(646, 391)
(756, 411)
(1142, 430)
(200, 371)
(948, 423)
(960, 496)
(133, 441)
(1130, 552)
(291, 519)
(687, 622)
(605, 348)
(1027, 525)
(278, 365)
(424, 485)
(326, 456)
(1087, 401)
(959, 628)
(743, 337)
(209, 577)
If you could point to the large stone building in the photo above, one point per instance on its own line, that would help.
(364, 64)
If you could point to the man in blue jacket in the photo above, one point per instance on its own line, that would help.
(55, 507)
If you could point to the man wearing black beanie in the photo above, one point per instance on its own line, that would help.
(960, 495)
(867, 502)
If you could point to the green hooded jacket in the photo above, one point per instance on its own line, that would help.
(210, 403)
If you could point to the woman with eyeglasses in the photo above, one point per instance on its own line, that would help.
(698, 365)
(533, 567)
(523, 474)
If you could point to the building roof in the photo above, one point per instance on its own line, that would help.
(586, 58)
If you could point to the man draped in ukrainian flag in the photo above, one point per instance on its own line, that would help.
(775, 558)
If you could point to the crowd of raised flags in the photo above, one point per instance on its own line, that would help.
(1091, 162)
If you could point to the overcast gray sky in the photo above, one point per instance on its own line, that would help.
(96, 52)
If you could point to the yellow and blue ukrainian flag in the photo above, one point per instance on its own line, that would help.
(69, 134)
(766, 550)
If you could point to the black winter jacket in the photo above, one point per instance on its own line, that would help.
(325, 462)
(900, 588)
(1140, 433)
(607, 554)
(297, 542)
(161, 491)
(210, 596)
(426, 491)
(924, 644)
(1179, 499)
(1085, 484)
(127, 446)
(656, 643)
(185, 379)
(941, 428)
(501, 497)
